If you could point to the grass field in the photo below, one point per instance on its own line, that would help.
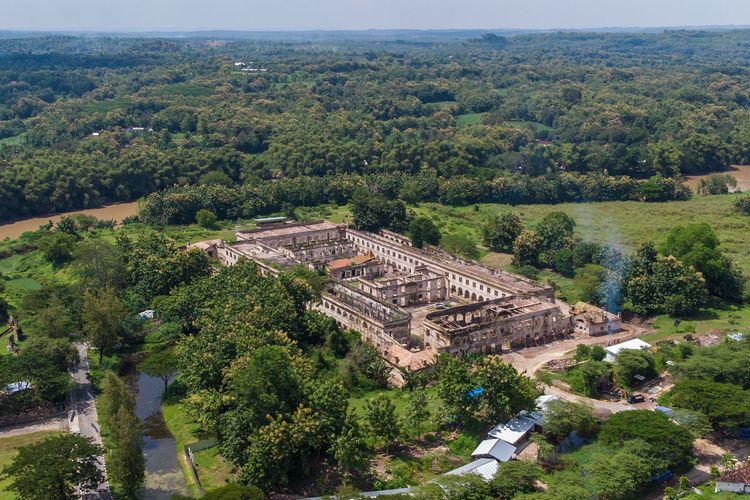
(8, 449)
(625, 224)
(537, 126)
(469, 119)
(729, 318)
(15, 140)
(213, 470)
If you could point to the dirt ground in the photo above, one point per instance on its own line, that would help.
(739, 172)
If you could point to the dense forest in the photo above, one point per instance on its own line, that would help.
(88, 120)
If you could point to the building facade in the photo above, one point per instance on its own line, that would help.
(409, 303)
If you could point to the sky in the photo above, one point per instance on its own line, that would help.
(283, 15)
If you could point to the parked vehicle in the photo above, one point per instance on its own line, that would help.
(636, 398)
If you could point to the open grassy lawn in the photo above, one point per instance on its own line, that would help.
(626, 224)
(537, 126)
(722, 319)
(213, 469)
(15, 140)
(469, 119)
(8, 449)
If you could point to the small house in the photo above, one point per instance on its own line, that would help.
(496, 449)
(483, 467)
(515, 431)
(592, 320)
(614, 350)
(737, 481)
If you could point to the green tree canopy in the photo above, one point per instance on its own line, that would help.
(54, 468)
(501, 231)
(668, 441)
(422, 231)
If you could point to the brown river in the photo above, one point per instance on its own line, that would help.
(116, 211)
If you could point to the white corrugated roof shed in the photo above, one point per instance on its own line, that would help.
(495, 448)
(613, 350)
(514, 431)
(484, 467)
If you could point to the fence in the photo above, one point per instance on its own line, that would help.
(190, 450)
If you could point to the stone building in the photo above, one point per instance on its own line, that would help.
(380, 323)
(365, 266)
(465, 279)
(592, 320)
(485, 327)
(422, 287)
(383, 287)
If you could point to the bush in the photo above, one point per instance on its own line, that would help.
(206, 219)
(742, 205)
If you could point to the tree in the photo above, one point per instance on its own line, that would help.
(461, 245)
(115, 395)
(501, 231)
(725, 405)
(215, 178)
(54, 468)
(234, 491)
(590, 280)
(583, 352)
(206, 219)
(454, 383)
(527, 248)
(696, 422)
(417, 411)
(717, 184)
(350, 449)
(380, 413)
(598, 353)
(621, 474)
(103, 320)
(161, 363)
(422, 231)
(666, 286)
(742, 205)
(514, 477)
(561, 418)
(373, 212)
(57, 247)
(506, 392)
(668, 441)
(268, 385)
(589, 378)
(99, 265)
(128, 464)
(697, 245)
(68, 225)
(54, 321)
(632, 362)
(555, 231)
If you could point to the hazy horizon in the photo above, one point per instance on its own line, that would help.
(356, 15)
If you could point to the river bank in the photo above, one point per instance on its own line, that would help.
(116, 211)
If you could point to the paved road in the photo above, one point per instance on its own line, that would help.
(48, 425)
(83, 418)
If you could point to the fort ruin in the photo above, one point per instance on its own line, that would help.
(409, 303)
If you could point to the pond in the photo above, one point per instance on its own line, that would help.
(164, 477)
